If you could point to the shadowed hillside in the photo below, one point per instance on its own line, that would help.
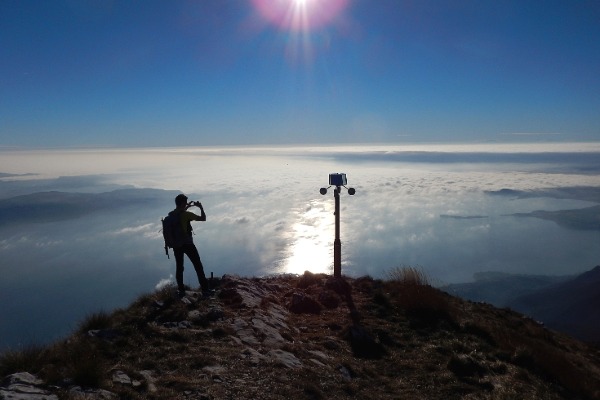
(569, 304)
(572, 306)
(308, 337)
(500, 288)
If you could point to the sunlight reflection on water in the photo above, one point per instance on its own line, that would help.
(312, 239)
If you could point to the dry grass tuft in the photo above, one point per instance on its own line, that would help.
(98, 320)
(27, 358)
(77, 360)
(408, 275)
(409, 289)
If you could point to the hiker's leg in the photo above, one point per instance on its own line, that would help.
(178, 252)
(192, 253)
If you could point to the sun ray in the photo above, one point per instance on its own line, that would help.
(304, 21)
(300, 15)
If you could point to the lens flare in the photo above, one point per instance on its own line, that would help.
(300, 15)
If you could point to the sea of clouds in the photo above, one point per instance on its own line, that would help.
(446, 208)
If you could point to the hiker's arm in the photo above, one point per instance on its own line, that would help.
(202, 216)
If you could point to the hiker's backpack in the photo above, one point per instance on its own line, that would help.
(172, 232)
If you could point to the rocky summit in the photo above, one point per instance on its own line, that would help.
(306, 337)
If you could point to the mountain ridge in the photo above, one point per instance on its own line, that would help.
(567, 303)
(309, 337)
(571, 306)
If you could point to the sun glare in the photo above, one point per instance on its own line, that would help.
(301, 18)
(300, 15)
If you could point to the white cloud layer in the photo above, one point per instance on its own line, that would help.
(414, 205)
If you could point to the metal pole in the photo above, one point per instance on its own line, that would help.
(337, 244)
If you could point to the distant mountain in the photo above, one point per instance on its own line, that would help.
(582, 219)
(565, 303)
(499, 288)
(588, 193)
(56, 206)
(572, 306)
(462, 216)
(4, 175)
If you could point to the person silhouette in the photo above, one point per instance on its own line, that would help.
(188, 247)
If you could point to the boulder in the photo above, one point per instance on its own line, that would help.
(24, 386)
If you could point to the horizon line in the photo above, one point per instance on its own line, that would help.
(267, 146)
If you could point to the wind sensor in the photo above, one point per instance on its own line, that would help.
(338, 180)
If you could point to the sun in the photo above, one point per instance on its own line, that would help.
(305, 3)
(303, 23)
(300, 15)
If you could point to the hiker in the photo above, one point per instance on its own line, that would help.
(187, 246)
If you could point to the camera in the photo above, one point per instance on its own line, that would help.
(338, 179)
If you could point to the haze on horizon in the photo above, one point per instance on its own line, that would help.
(238, 72)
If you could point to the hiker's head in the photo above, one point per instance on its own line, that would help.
(181, 200)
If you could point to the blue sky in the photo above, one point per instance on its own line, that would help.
(222, 72)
